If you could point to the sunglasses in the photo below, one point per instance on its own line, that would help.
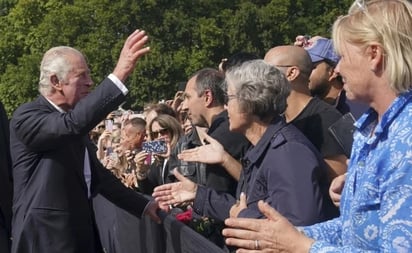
(160, 132)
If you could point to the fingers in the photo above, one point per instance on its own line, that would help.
(161, 188)
(245, 223)
(269, 211)
(241, 243)
(179, 176)
(132, 50)
(242, 199)
(208, 138)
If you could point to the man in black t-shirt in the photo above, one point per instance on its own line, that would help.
(310, 115)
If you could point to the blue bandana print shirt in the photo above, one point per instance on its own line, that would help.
(376, 203)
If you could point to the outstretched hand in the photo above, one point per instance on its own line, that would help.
(274, 234)
(175, 193)
(132, 50)
(211, 153)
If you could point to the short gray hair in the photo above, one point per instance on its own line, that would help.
(261, 89)
(55, 62)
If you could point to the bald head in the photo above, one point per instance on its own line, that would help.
(290, 56)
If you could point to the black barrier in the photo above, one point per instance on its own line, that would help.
(121, 232)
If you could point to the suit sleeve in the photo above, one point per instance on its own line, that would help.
(126, 198)
(45, 128)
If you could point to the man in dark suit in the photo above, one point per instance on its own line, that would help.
(5, 183)
(55, 170)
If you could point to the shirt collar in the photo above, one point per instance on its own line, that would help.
(366, 122)
(257, 151)
(54, 105)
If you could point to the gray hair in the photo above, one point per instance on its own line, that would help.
(210, 79)
(261, 89)
(55, 62)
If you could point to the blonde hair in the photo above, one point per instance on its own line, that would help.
(387, 23)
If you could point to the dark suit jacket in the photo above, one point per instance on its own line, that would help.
(6, 193)
(51, 208)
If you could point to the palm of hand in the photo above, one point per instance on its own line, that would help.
(183, 191)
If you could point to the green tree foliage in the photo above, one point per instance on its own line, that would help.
(184, 37)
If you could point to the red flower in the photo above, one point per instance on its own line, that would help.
(184, 217)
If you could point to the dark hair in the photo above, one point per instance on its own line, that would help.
(211, 79)
(237, 59)
(161, 108)
(136, 122)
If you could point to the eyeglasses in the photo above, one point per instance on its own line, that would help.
(284, 66)
(160, 132)
(101, 127)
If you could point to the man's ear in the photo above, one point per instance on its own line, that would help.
(208, 97)
(55, 82)
(292, 73)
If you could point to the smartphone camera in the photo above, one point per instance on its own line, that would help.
(155, 147)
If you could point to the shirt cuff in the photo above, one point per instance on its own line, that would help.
(119, 84)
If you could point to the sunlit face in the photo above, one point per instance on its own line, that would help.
(160, 133)
(194, 104)
(238, 121)
(132, 138)
(319, 79)
(355, 71)
(78, 82)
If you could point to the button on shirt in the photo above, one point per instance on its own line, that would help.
(376, 205)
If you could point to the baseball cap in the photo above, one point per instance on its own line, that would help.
(322, 50)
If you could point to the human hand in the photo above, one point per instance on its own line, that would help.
(140, 159)
(177, 100)
(274, 234)
(175, 193)
(132, 50)
(302, 41)
(151, 211)
(129, 180)
(214, 150)
(336, 188)
(239, 206)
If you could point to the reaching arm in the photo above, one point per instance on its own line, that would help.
(216, 154)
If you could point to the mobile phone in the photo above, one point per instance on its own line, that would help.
(155, 147)
(108, 124)
(109, 150)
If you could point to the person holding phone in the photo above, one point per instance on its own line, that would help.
(151, 162)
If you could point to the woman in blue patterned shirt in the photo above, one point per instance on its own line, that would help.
(375, 44)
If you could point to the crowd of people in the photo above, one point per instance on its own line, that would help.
(304, 150)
